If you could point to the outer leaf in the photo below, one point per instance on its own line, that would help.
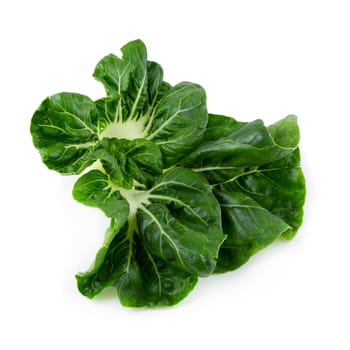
(285, 132)
(64, 130)
(219, 127)
(94, 189)
(164, 284)
(118, 268)
(140, 279)
(114, 74)
(153, 260)
(277, 186)
(225, 151)
(248, 226)
(182, 224)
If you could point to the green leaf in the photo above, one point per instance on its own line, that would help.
(178, 121)
(182, 223)
(249, 228)
(154, 259)
(279, 187)
(225, 151)
(123, 261)
(135, 83)
(139, 105)
(258, 165)
(116, 267)
(174, 118)
(139, 279)
(114, 74)
(64, 130)
(156, 86)
(95, 190)
(115, 111)
(128, 160)
(219, 127)
(135, 52)
(164, 284)
(285, 132)
(142, 105)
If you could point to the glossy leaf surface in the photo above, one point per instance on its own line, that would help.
(187, 194)
(179, 121)
(279, 187)
(96, 190)
(64, 129)
(139, 279)
(172, 234)
(182, 223)
(260, 166)
(141, 105)
(249, 228)
(229, 146)
(129, 160)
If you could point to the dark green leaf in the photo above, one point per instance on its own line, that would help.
(277, 186)
(156, 86)
(182, 223)
(225, 150)
(139, 279)
(64, 130)
(135, 52)
(139, 105)
(95, 190)
(142, 105)
(260, 165)
(128, 160)
(248, 226)
(154, 259)
(164, 284)
(133, 84)
(114, 74)
(118, 265)
(178, 121)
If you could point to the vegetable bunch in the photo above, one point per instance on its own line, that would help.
(188, 193)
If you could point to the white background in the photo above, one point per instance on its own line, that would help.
(256, 59)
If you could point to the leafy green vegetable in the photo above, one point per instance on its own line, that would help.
(128, 160)
(140, 105)
(187, 194)
(174, 226)
(256, 175)
(139, 278)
